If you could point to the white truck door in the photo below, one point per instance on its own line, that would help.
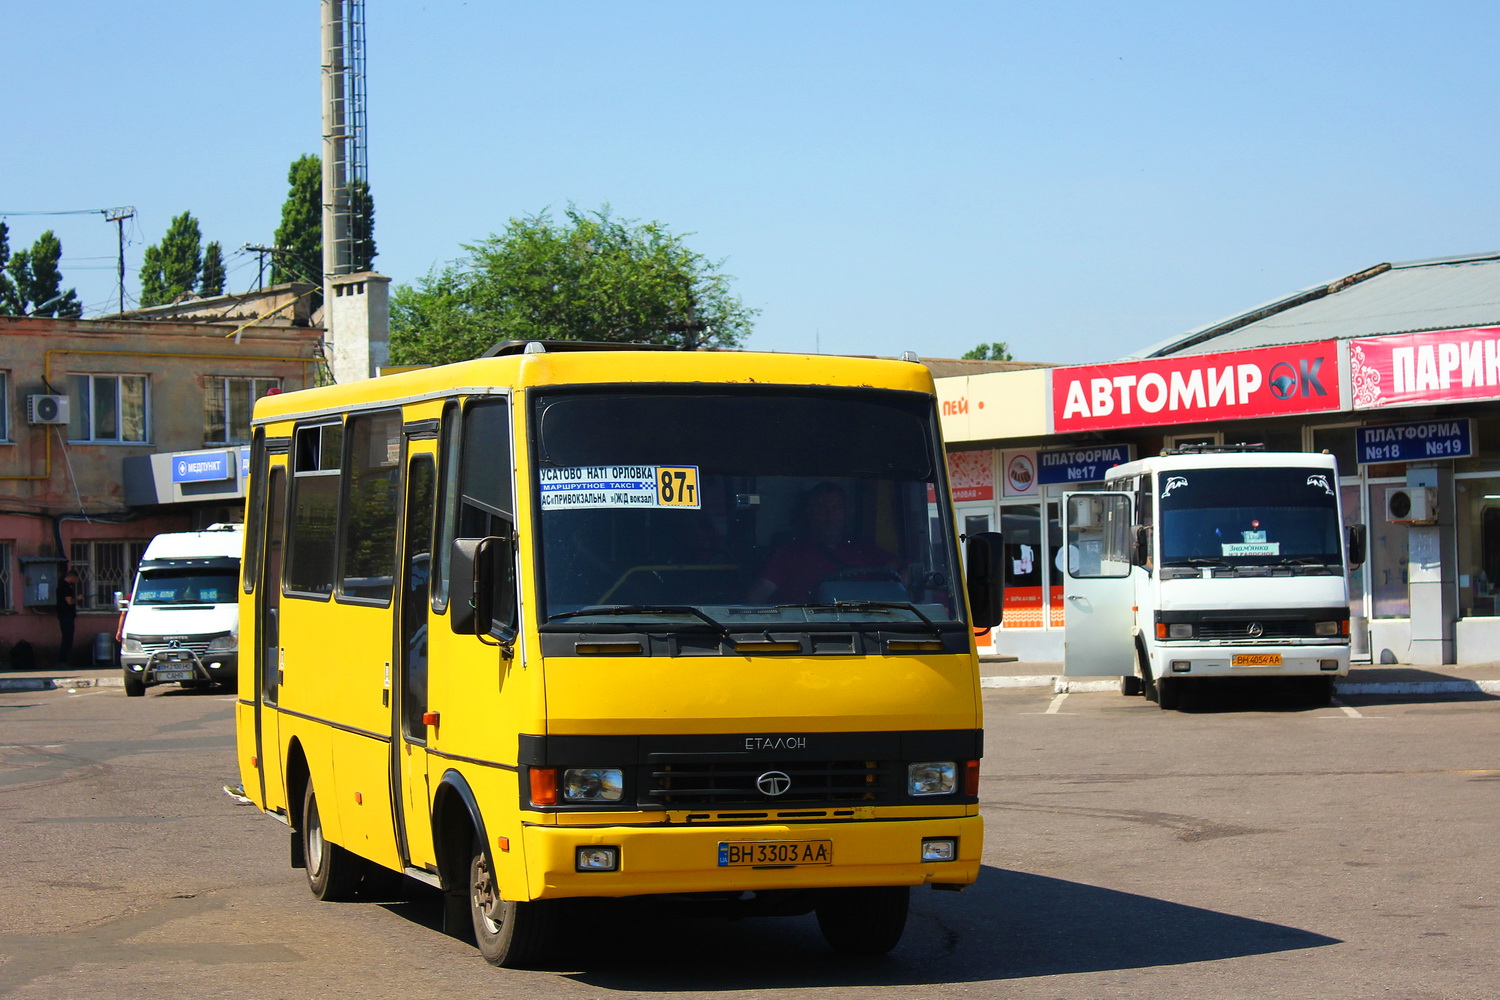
(1098, 592)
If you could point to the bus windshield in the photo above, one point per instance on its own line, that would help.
(742, 508)
(1249, 517)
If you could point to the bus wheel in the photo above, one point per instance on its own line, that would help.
(863, 921)
(135, 685)
(1168, 693)
(509, 934)
(1130, 685)
(332, 872)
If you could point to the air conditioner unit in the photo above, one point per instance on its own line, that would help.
(46, 409)
(1411, 505)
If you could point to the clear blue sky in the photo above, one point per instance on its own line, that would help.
(1079, 180)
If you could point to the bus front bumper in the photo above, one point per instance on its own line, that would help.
(691, 859)
(1251, 661)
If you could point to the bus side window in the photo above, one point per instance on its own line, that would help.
(482, 505)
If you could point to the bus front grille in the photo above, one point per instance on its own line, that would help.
(695, 784)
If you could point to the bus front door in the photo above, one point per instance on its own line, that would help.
(1099, 593)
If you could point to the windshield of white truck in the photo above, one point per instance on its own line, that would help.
(1249, 517)
(760, 507)
(185, 586)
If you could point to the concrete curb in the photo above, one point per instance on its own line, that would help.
(1066, 685)
(56, 683)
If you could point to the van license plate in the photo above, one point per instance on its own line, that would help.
(1256, 660)
(740, 854)
(174, 675)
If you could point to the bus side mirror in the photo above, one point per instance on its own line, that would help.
(1356, 545)
(482, 587)
(1140, 548)
(984, 573)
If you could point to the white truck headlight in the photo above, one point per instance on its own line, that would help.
(224, 644)
(593, 784)
(129, 645)
(932, 778)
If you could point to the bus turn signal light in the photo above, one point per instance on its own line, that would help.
(544, 786)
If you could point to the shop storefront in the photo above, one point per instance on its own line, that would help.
(1413, 419)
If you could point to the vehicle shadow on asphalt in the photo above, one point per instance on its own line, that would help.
(1214, 694)
(1010, 925)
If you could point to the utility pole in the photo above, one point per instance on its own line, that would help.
(118, 217)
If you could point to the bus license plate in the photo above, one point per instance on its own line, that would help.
(775, 852)
(174, 675)
(1256, 660)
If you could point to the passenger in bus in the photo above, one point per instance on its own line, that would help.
(820, 549)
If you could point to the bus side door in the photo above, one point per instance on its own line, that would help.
(409, 731)
(268, 649)
(1099, 591)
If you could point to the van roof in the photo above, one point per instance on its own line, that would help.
(219, 541)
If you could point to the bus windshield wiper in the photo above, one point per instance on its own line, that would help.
(645, 609)
(866, 606)
(1196, 561)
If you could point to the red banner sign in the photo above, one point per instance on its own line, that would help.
(1265, 382)
(1425, 367)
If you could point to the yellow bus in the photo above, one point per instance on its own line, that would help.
(573, 621)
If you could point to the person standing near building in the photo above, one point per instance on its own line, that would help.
(67, 614)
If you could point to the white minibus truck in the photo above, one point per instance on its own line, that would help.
(182, 619)
(1210, 562)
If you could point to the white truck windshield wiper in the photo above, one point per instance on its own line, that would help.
(645, 609)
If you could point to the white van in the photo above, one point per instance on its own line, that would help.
(182, 619)
(1209, 563)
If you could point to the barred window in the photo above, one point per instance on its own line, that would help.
(108, 408)
(103, 567)
(228, 403)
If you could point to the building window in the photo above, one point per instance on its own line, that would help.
(1478, 523)
(107, 408)
(227, 405)
(104, 568)
(4, 406)
(5, 600)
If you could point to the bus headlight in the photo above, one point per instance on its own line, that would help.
(932, 778)
(129, 645)
(1180, 630)
(224, 644)
(593, 784)
(1325, 628)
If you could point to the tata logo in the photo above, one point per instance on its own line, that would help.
(773, 783)
(1286, 379)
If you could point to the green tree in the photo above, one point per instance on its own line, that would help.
(588, 277)
(170, 269)
(35, 281)
(997, 351)
(211, 278)
(299, 238)
(10, 300)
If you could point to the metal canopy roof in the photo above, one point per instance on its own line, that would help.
(1442, 294)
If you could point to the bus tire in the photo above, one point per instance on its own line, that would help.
(863, 921)
(135, 685)
(1168, 693)
(509, 934)
(332, 873)
(1130, 685)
